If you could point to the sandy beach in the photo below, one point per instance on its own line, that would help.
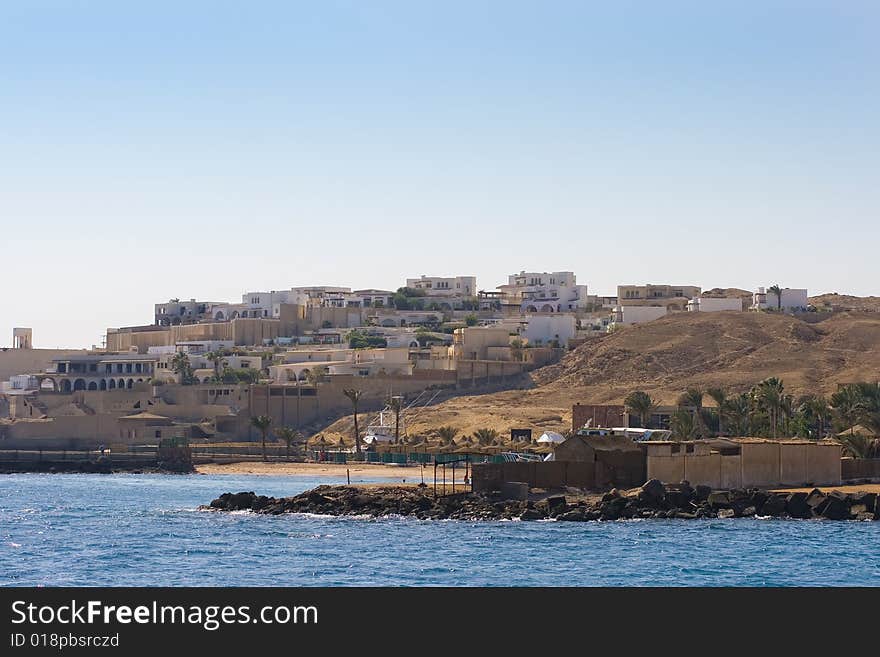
(335, 471)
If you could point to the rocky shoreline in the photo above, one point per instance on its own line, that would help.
(652, 500)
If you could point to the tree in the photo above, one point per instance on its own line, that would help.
(815, 411)
(682, 425)
(869, 394)
(215, 357)
(739, 413)
(848, 405)
(775, 289)
(640, 403)
(314, 375)
(289, 436)
(692, 399)
(470, 319)
(719, 396)
(180, 365)
(485, 436)
(262, 422)
(354, 395)
(768, 396)
(447, 434)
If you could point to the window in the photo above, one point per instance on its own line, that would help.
(158, 433)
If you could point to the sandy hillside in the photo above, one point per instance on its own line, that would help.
(846, 302)
(734, 350)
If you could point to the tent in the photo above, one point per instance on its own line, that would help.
(551, 437)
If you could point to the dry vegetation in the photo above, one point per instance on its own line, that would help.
(733, 350)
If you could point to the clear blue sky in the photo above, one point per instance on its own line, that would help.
(203, 149)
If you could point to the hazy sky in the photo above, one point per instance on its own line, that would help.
(151, 150)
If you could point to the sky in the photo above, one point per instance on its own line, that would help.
(202, 149)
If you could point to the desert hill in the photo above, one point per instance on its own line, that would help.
(663, 357)
(836, 301)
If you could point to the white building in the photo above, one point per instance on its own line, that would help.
(715, 304)
(791, 299)
(439, 286)
(544, 330)
(547, 292)
(636, 314)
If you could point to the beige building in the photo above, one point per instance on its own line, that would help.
(654, 292)
(726, 463)
(439, 286)
(478, 342)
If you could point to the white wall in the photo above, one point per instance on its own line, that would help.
(711, 305)
(542, 329)
(639, 314)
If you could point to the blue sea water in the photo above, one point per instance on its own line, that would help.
(145, 530)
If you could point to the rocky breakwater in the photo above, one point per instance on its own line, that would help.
(652, 500)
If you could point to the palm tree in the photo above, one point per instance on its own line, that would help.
(739, 411)
(215, 357)
(355, 396)
(815, 411)
(848, 405)
(682, 425)
(775, 289)
(692, 399)
(262, 423)
(870, 405)
(396, 404)
(768, 396)
(719, 396)
(485, 436)
(289, 435)
(447, 434)
(640, 403)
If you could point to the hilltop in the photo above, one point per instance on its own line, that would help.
(663, 357)
(836, 301)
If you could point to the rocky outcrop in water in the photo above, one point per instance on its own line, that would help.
(652, 500)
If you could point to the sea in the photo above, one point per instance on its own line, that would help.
(147, 530)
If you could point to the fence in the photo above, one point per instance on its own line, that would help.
(851, 468)
(400, 458)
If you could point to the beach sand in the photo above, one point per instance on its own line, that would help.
(336, 471)
(846, 488)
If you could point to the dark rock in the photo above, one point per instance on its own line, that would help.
(556, 506)
(679, 498)
(748, 512)
(835, 508)
(719, 500)
(575, 515)
(531, 514)
(701, 492)
(651, 492)
(774, 506)
(613, 494)
(815, 498)
(682, 515)
(796, 506)
(757, 499)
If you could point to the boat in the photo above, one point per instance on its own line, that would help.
(381, 429)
